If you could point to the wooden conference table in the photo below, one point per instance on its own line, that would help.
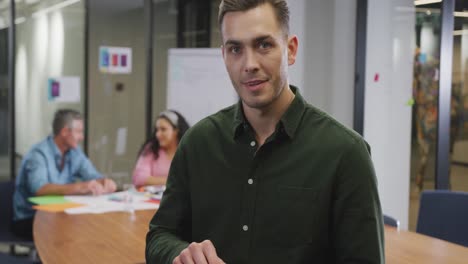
(91, 238)
(117, 238)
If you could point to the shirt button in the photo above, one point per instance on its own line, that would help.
(250, 181)
(252, 143)
(245, 228)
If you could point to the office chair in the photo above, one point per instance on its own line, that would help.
(390, 221)
(6, 206)
(444, 214)
(5, 258)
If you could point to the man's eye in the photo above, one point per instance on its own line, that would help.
(234, 49)
(265, 45)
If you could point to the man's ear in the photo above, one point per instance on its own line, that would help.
(292, 49)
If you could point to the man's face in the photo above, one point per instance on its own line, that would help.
(73, 135)
(257, 53)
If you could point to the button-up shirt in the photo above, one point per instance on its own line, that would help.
(41, 166)
(307, 195)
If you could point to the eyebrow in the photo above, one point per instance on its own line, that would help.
(262, 38)
(256, 40)
(232, 42)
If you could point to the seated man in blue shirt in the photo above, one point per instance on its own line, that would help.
(56, 166)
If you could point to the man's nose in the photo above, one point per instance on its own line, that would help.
(251, 62)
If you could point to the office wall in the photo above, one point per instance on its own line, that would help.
(215, 34)
(164, 37)
(122, 23)
(5, 169)
(116, 101)
(460, 60)
(4, 96)
(464, 60)
(387, 117)
(324, 70)
(47, 45)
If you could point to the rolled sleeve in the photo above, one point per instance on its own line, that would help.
(86, 170)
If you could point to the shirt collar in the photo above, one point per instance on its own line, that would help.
(240, 123)
(293, 115)
(53, 146)
(289, 121)
(55, 150)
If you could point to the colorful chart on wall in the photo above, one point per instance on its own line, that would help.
(65, 89)
(115, 60)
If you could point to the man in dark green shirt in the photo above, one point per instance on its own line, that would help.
(270, 179)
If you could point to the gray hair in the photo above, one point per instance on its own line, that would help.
(64, 117)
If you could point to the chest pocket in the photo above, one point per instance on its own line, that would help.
(298, 210)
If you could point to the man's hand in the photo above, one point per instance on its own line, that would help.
(199, 253)
(108, 185)
(94, 187)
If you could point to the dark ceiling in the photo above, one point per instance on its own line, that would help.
(460, 5)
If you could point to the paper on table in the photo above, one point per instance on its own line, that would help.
(93, 200)
(56, 207)
(87, 199)
(48, 199)
(107, 203)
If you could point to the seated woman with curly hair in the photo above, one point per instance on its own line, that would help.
(157, 152)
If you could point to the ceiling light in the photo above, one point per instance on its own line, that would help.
(54, 7)
(461, 14)
(20, 20)
(460, 32)
(426, 2)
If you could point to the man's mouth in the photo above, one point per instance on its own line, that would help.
(254, 85)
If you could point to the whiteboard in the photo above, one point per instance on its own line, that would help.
(198, 84)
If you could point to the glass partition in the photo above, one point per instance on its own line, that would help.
(425, 93)
(117, 84)
(49, 66)
(459, 100)
(177, 26)
(5, 170)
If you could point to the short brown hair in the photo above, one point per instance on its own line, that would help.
(280, 7)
